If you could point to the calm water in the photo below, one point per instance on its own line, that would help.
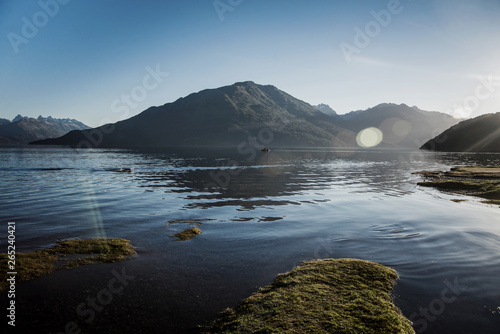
(260, 216)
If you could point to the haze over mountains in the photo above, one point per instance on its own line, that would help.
(22, 129)
(247, 114)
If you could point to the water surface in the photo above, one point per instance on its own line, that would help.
(260, 216)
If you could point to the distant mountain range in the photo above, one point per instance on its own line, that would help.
(401, 125)
(480, 134)
(22, 129)
(250, 115)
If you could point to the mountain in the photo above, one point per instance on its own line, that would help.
(244, 115)
(250, 115)
(23, 130)
(401, 125)
(20, 117)
(352, 115)
(480, 134)
(326, 109)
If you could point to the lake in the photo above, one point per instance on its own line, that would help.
(261, 214)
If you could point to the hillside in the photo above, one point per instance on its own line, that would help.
(228, 116)
(480, 134)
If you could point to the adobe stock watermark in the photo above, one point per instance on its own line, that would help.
(437, 306)
(223, 6)
(487, 87)
(31, 26)
(253, 144)
(87, 310)
(123, 105)
(373, 28)
(250, 148)
(483, 91)
(324, 245)
(139, 93)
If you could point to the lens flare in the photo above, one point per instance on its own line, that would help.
(401, 128)
(369, 137)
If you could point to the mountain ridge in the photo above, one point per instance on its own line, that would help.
(327, 110)
(222, 116)
(400, 124)
(237, 114)
(24, 129)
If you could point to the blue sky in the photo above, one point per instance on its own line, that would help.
(94, 60)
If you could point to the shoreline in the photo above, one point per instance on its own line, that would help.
(318, 295)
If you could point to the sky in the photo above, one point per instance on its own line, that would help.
(104, 61)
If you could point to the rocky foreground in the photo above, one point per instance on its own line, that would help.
(480, 181)
(321, 296)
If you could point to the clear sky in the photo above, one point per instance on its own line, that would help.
(105, 60)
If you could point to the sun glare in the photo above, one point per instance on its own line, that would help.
(369, 137)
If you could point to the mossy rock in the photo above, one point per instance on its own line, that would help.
(188, 234)
(322, 296)
(43, 262)
(455, 184)
(480, 181)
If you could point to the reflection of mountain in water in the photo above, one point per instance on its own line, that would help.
(279, 178)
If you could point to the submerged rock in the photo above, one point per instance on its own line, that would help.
(188, 234)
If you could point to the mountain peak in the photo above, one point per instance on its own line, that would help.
(326, 109)
(244, 83)
(48, 118)
(18, 118)
(387, 105)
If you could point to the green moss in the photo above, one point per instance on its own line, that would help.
(188, 234)
(456, 200)
(457, 184)
(65, 255)
(106, 248)
(27, 265)
(492, 202)
(322, 296)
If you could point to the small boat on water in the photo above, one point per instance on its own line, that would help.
(265, 149)
(122, 170)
